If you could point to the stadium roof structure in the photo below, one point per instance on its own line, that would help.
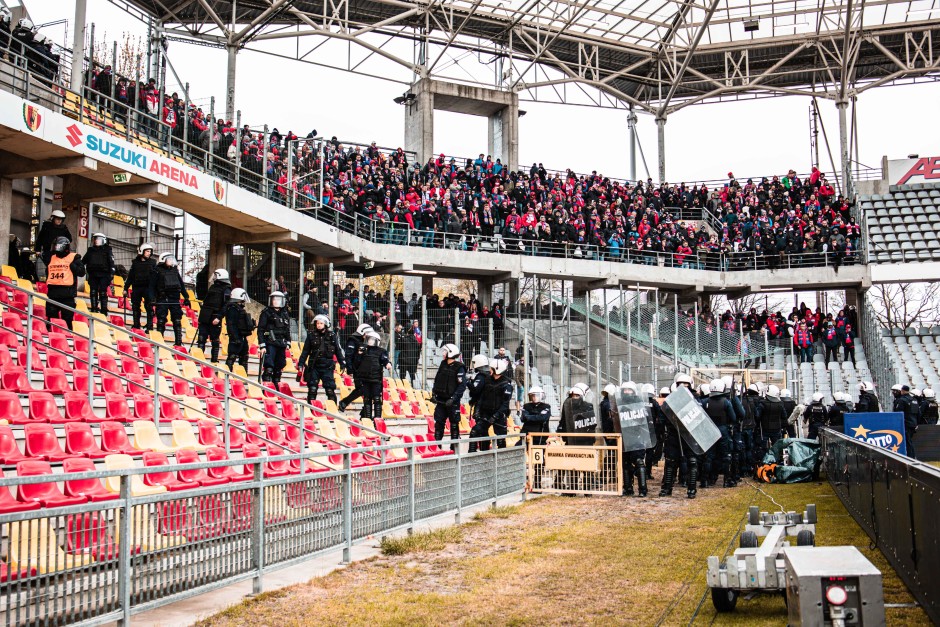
(655, 56)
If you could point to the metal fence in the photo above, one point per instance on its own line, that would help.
(895, 500)
(557, 468)
(882, 367)
(104, 561)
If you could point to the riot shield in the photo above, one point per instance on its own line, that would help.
(582, 420)
(635, 420)
(695, 426)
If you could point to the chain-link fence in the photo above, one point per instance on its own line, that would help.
(882, 367)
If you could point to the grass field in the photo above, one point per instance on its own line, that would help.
(556, 561)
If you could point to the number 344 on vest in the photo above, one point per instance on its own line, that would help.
(60, 270)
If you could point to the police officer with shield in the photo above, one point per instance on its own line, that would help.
(449, 385)
(316, 359)
(634, 416)
(476, 377)
(493, 406)
(577, 416)
(867, 399)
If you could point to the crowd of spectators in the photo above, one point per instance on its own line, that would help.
(464, 203)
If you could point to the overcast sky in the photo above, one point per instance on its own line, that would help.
(750, 138)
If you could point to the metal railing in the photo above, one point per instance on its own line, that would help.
(97, 562)
(883, 369)
(895, 500)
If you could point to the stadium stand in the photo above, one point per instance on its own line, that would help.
(903, 225)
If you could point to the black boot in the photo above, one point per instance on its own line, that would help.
(693, 481)
(215, 355)
(669, 476)
(641, 480)
(627, 483)
(177, 336)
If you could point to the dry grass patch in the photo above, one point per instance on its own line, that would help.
(433, 540)
(555, 561)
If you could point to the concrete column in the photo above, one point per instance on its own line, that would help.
(661, 137)
(485, 293)
(427, 285)
(512, 292)
(844, 148)
(6, 213)
(230, 83)
(78, 46)
(419, 123)
(631, 125)
(503, 135)
(221, 240)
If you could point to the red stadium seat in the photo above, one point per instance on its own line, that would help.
(108, 363)
(79, 440)
(46, 494)
(143, 407)
(202, 388)
(136, 384)
(274, 432)
(8, 504)
(11, 409)
(126, 350)
(114, 439)
(284, 388)
(166, 478)
(9, 451)
(13, 378)
(214, 408)
(43, 443)
(92, 489)
(42, 408)
(8, 338)
(208, 434)
(237, 389)
(197, 477)
(255, 434)
(271, 407)
(170, 410)
(13, 322)
(115, 408)
(55, 359)
(289, 410)
(78, 409)
(88, 534)
(271, 469)
(130, 365)
(55, 381)
(180, 387)
(80, 383)
(231, 473)
(112, 384)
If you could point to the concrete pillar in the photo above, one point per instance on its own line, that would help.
(844, 148)
(221, 240)
(6, 213)
(419, 123)
(230, 83)
(427, 285)
(631, 125)
(503, 135)
(485, 292)
(78, 46)
(512, 292)
(661, 141)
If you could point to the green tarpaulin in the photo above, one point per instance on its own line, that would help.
(791, 460)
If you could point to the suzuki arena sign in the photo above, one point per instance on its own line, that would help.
(910, 171)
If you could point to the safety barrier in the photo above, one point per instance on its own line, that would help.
(555, 467)
(144, 547)
(895, 500)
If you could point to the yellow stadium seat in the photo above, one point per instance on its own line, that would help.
(190, 370)
(239, 370)
(160, 383)
(9, 272)
(81, 306)
(146, 437)
(25, 284)
(121, 335)
(138, 487)
(464, 425)
(33, 545)
(118, 281)
(183, 436)
(342, 431)
(156, 336)
(169, 366)
(319, 447)
(196, 353)
(143, 534)
(325, 428)
(193, 411)
(255, 409)
(396, 454)
(330, 406)
(239, 412)
(255, 390)
(387, 411)
(80, 329)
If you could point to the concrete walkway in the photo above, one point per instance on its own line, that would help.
(188, 611)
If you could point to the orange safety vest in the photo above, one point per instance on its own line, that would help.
(59, 271)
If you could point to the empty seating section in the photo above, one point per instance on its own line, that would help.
(915, 352)
(811, 377)
(903, 225)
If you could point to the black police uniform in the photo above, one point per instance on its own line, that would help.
(633, 463)
(139, 280)
(353, 342)
(369, 363)
(815, 415)
(788, 406)
(210, 316)
(749, 404)
(773, 422)
(902, 404)
(240, 326)
(653, 455)
(475, 389)
(99, 263)
(449, 385)
(492, 410)
(316, 362)
(836, 418)
(274, 330)
(48, 234)
(535, 418)
(867, 402)
(168, 288)
(577, 416)
(719, 409)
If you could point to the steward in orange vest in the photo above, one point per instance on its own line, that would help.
(62, 274)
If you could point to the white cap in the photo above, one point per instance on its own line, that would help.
(498, 365)
(362, 328)
(929, 393)
(785, 393)
(682, 377)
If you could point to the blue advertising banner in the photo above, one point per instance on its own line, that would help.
(884, 429)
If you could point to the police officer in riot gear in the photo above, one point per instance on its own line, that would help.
(493, 406)
(836, 416)
(773, 419)
(353, 343)
(449, 385)
(139, 279)
(867, 399)
(316, 362)
(211, 313)
(99, 263)
(476, 377)
(240, 326)
(930, 413)
(577, 416)
(62, 272)
(720, 410)
(49, 233)
(274, 331)
(167, 285)
(536, 415)
(370, 360)
(749, 403)
(788, 406)
(633, 462)
(654, 454)
(678, 455)
(902, 404)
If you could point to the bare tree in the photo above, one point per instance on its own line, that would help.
(130, 62)
(904, 305)
(719, 304)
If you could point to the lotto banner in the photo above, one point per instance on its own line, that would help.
(885, 429)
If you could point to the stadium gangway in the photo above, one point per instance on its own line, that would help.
(160, 352)
(141, 548)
